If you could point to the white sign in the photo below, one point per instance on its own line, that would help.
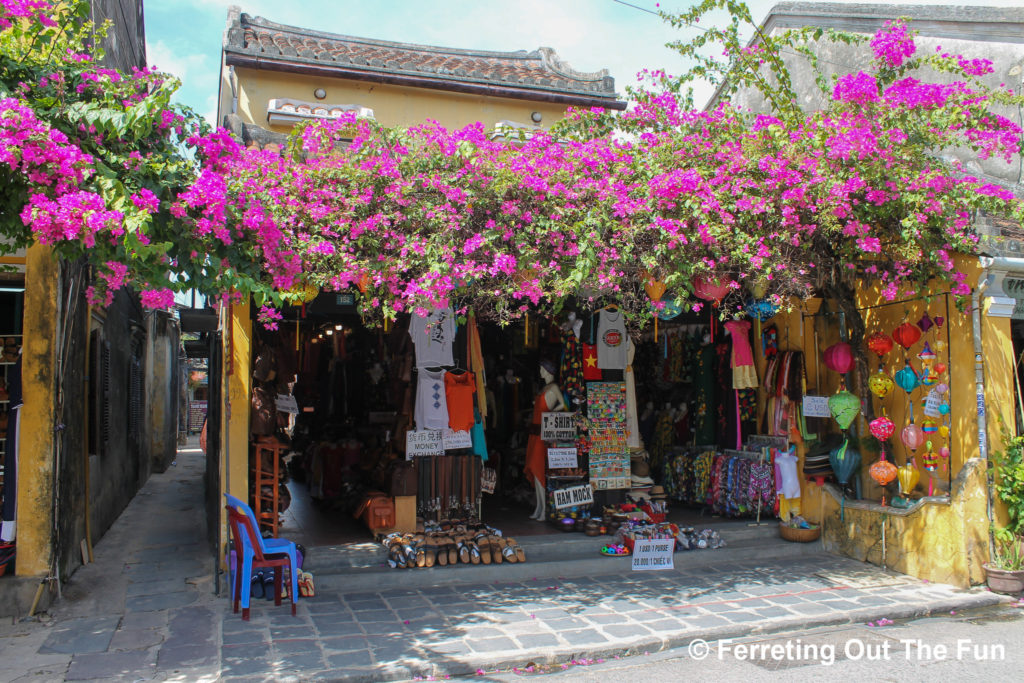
(577, 495)
(453, 440)
(558, 426)
(562, 457)
(286, 403)
(653, 553)
(488, 479)
(932, 402)
(423, 442)
(816, 406)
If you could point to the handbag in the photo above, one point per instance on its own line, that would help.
(377, 511)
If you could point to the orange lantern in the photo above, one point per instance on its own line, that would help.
(906, 335)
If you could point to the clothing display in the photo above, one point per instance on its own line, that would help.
(571, 369)
(459, 389)
(536, 449)
(744, 374)
(433, 337)
(611, 340)
(632, 422)
(591, 372)
(431, 401)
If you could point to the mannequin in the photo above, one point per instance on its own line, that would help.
(548, 400)
(573, 323)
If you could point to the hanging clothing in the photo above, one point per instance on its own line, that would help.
(571, 369)
(433, 336)
(431, 402)
(744, 375)
(611, 340)
(704, 412)
(536, 449)
(591, 372)
(632, 422)
(459, 390)
(475, 359)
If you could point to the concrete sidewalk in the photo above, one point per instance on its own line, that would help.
(145, 610)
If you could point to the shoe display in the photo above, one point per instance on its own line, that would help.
(450, 542)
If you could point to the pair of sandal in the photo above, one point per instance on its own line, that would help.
(306, 587)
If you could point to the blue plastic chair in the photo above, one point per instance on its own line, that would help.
(254, 551)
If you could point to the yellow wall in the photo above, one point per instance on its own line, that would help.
(36, 418)
(392, 105)
(236, 386)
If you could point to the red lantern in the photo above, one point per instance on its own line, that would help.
(839, 358)
(710, 289)
(879, 344)
(906, 335)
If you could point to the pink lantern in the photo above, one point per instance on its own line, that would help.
(912, 436)
(839, 358)
(710, 289)
(881, 428)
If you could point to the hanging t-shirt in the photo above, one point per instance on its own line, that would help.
(459, 392)
(611, 341)
(433, 337)
(431, 402)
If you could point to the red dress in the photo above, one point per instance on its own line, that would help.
(536, 450)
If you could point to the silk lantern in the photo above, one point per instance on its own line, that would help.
(906, 335)
(908, 476)
(912, 436)
(710, 289)
(880, 384)
(883, 472)
(844, 407)
(839, 358)
(882, 428)
(655, 290)
(879, 344)
(907, 378)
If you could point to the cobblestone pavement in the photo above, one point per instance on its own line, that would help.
(146, 610)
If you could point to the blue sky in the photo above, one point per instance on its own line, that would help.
(184, 36)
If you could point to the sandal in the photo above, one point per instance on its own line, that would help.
(430, 552)
(460, 544)
(256, 589)
(453, 552)
(484, 543)
(442, 554)
(496, 546)
(508, 552)
(474, 552)
(520, 554)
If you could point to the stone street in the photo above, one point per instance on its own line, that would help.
(146, 610)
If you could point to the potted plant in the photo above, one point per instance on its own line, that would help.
(1005, 571)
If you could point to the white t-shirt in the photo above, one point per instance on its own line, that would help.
(786, 462)
(433, 337)
(611, 340)
(431, 401)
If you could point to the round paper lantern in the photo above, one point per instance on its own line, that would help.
(943, 410)
(912, 436)
(944, 431)
(906, 335)
(880, 384)
(839, 358)
(882, 428)
(907, 378)
(844, 407)
(944, 451)
(882, 471)
(879, 344)
(908, 476)
(710, 289)
(940, 368)
(929, 426)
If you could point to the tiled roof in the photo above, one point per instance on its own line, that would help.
(539, 72)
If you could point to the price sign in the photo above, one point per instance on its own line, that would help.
(453, 440)
(816, 406)
(286, 403)
(558, 426)
(423, 442)
(562, 457)
(576, 495)
(653, 553)
(488, 479)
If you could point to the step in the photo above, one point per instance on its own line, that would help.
(347, 569)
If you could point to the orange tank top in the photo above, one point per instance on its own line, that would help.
(459, 391)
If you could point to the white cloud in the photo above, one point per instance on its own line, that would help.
(186, 67)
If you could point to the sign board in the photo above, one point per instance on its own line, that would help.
(345, 300)
(453, 440)
(816, 406)
(558, 426)
(488, 479)
(653, 553)
(286, 403)
(576, 495)
(562, 457)
(423, 442)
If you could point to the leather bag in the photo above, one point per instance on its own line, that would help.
(377, 511)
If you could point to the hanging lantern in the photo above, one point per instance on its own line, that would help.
(940, 368)
(907, 378)
(760, 309)
(844, 407)
(882, 471)
(879, 344)
(943, 430)
(939, 321)
(710, 289)
(926, 355)
(655, 288)
(944, 452)
(912, 436)
(880, 384)
(906, 335)
(926, 322)
(845, 462)
(931, 459)
(364, 283)
(908, 476)
(882, 428)
(839, 358)
(940, 346)
(929, 426)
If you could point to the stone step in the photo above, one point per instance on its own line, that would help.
(363, 567)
